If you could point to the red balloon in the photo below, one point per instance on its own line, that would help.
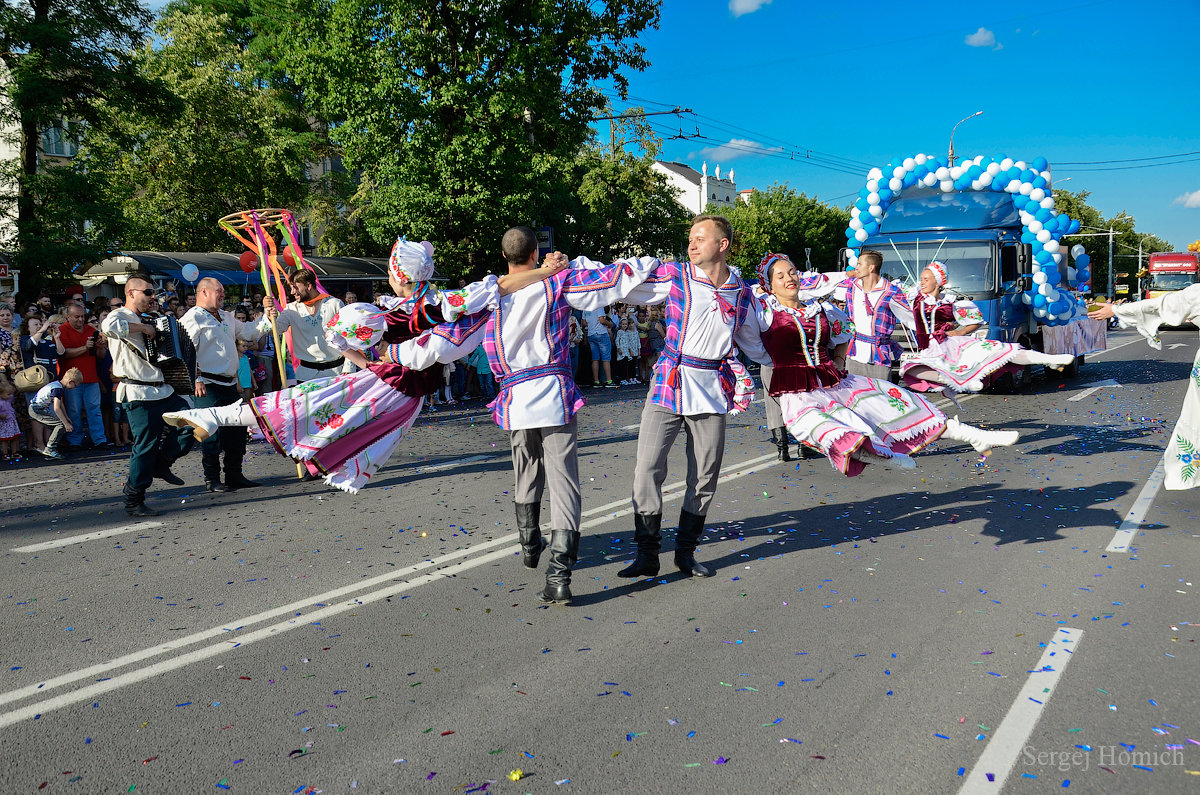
(288, 259)
(248, 261)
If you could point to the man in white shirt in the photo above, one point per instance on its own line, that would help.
(307, 317)
(215, 333)
(146, 397)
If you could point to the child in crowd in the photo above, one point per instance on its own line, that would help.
(245, 370)
(10, 432)
(50, 410)
(629, 350)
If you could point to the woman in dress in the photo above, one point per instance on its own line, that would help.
(1181, 459)
(345, 427)
(852, 420)
(949, 355)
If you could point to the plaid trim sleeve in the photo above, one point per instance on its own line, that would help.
(444, 343)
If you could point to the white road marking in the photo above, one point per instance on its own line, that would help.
(68, 540)
(159, 668)
(634, 427)
(224, 630)
(1176, 345)
(1137, 513)
(1012, 733)
(452, 464)
(1096, 387)
(30, 483)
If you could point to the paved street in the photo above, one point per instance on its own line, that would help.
(892, 633)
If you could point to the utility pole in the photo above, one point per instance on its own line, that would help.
(951, 154)
(1111, 273)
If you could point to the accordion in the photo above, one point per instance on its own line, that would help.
(171, 352)
(164, 347)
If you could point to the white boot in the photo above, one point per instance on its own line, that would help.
(898, 461)
(206, 422)
(981, 440)
(1046, 359)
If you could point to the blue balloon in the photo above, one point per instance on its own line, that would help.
(864, 193)
(1028, 237)
(884, 195)
(1052, 276)
(1075, 224)
(1039, 182)
(1042, 215)
(1082, 261)
(1040, 254)
(1061, 306)
(910, 179)
(1039, 300)
(1040, 163)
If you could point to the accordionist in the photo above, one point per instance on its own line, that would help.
(146, 394)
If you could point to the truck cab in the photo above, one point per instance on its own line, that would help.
(1170, 272)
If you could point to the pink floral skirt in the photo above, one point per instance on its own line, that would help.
(343, 428)
(957, 362)
(877, 416)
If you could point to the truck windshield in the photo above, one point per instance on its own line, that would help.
(1172, 281)
(969, 269)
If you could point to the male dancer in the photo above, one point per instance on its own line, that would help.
(872, 303)
(528, 347)
(708, 310)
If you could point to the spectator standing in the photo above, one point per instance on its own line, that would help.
(10, 432)
(575, 336)
(629, 350)
(82, 343)
(600, 343)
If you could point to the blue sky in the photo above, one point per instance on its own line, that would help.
(859, 84)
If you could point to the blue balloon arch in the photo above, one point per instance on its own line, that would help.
(1052, 299)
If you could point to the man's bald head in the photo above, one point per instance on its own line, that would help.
(210, 294)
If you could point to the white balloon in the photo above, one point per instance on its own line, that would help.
(1044, 289)
(861, 235)
(1039, 278)
(876, 210)
(1026, 188)
(920, 159)
(985, 179)
(1043, 235)
(978, 159)
(1013, 186)
(1052, 295)
(895, 183)
(855, 223)
(1047, 203)
(947, 185)
(1050, 245)
(873, 199)
(929, 180)
(1057, 255)
(1078, 250)
(1026, 299)
(190, 272)
(1021, 165)
(942, 173)
(909, 163)
(956, 172)
(875, 173)
(872, 185)
(1035, 226)
(976, 185)
(1037, 268)
(1037, 194)
(852, 259)
(855, 212)
(1006, 164)
(993, 169)
(898, 172)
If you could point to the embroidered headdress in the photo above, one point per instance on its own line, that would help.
(939, 272)
(411, 262)
(764, 268)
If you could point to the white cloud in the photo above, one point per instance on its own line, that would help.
(735, 148)
(983, 38)
(740, 7)
(1190, 200)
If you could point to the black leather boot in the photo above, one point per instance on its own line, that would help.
(564, 551)
(691, 525)
(214, 485)
(135, 502)
(236, 480)
(529, 516)
(646, 532)
(780, 435)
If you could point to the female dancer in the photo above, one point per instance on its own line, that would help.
(949, 355)
(345, 427)
(1181, 459)
(852, 420)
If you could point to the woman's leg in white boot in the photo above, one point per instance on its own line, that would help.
(896, 461)
(981, 440)
(1024, 357)
(206, 422)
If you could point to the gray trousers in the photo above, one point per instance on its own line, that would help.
(549, 457)
(705, 448)
(771, 404)
(881, 372)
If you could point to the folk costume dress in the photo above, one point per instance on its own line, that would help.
(846, 417)
(1182, 456)
(961, 363)
(345, 427)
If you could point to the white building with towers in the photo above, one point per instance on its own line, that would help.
(695, 190)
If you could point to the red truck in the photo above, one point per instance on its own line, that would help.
(1171, 271)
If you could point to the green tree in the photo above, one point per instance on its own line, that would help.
(1126, 238)
(460, 116)
(61, 58)
(237, 143)
(783, 221)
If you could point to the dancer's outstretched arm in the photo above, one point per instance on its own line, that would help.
(511, 282)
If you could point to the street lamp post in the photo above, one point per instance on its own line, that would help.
(951, 155)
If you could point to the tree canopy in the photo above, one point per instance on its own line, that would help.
(786, 222)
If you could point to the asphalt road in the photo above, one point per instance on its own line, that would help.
(889, 633)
